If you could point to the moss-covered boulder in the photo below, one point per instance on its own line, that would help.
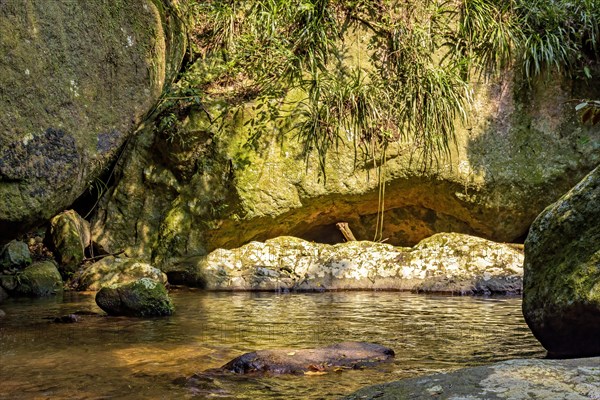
(217, 185)
(561, 298)
(142, 298)
(39, 279)
(115, 271)
(76, 79)
(449, 263)
(15, 254)
(69, 235)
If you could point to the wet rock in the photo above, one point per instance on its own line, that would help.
(39, 279)
(67, 319)
(141, 298)
(323, 359)
(77, 78)
(69, 235)
(2, 314)
(113, 271)
(15, 254)
(449, 262)
(515, 380)
(561, 298)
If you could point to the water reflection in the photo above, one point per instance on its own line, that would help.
(105, 357)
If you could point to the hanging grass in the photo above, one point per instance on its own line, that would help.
(414, 84)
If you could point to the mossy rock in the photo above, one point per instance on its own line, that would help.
(69, 236)
(115, 271)
(3, 294)
(142, 298)
(521, 151)
(561, 293)
(15, 254)
(39, 279)
(76, 79)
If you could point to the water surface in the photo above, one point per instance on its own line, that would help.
(128, 358)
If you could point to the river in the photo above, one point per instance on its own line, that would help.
(128, 358)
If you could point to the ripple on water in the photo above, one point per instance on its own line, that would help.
(104, 357)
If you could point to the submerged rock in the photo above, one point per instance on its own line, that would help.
(561, 298)
(141, 298)
(114, 271)
(448, 262)
(323, 359)
(514, 380)
(69, 236)
(15, 254)
(39, 279)
(77, 78)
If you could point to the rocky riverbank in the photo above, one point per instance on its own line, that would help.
(515, 379)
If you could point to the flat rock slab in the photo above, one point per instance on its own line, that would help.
(576, 379)
(297, 361)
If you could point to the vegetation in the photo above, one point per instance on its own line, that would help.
(373, 72)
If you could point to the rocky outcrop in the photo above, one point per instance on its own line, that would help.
(115, 271)
(39, 279)
(141, 298)
(76, 79)
(69, 236)
(561, 299)
(521, 150)
(451, 263)
(15, 254)
(297, 361)
(515, 380)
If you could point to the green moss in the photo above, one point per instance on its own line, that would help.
(142, 298)
(39, 279)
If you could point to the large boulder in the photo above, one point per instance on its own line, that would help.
(142, 298)
(449, 262)
(561, 298)
(15, 254)
(69, 235)
(221, 187)
(514, 380)
(39, 279)
(115, 271)
(76, 79)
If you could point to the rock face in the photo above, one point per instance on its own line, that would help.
(141, 298)
(39, 279)
(297, 361)
(561, 299)
(522, 149)
(15, 254)
(76, 78)
(115, 271)
(515, 380)
(69, 236)
(451, 263)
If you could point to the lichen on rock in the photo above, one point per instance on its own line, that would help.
(450, 263)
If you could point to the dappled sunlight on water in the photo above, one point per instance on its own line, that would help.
(107, 357)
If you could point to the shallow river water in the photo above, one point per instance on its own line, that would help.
(127, 358)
